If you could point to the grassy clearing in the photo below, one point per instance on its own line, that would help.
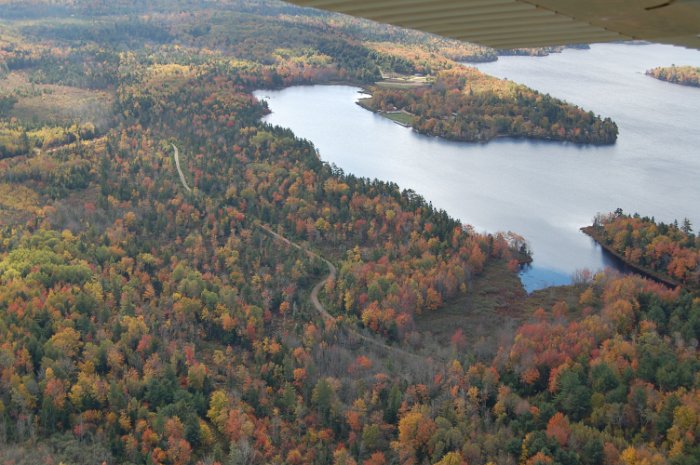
(401, 84)
(493, 308)
(405, 119)
(545, 298)
(493, 302)
(402, 81)
(54, 104)
(65, 105)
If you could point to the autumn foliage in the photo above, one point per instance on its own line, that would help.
(683, 75)
(671, 250)
(465, 105)
(143, 324)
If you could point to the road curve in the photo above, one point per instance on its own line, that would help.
(179, 171)
(332, 273)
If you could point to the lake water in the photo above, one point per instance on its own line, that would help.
(544, 191)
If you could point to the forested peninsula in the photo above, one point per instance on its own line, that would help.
(683, 75)
(667, 252)
(463, 104)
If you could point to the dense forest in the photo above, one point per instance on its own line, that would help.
(683, 75)
(144, 323)
(465, 105)
(668, 251)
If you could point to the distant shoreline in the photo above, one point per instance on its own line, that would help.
(688, 76)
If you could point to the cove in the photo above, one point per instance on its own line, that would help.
(544, 191)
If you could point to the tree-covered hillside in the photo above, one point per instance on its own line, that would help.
(277, 312)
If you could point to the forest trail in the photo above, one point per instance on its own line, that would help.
(332, 272)
(179, 170)
(327, 317)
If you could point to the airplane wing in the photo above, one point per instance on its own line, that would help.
(534, 23)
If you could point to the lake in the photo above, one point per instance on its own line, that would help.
(544, 191)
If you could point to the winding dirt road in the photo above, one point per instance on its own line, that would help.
(179, 170)
(332, 273)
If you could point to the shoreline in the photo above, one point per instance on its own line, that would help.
(483, 139)
(384, 114)
(643, 271)
(367, 88)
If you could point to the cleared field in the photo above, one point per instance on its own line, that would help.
(493, 302)
(54, 104)
(401, 84)
(492, 309)
(400, 81)
(403, 118)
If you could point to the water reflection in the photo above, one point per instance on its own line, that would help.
(544, 191)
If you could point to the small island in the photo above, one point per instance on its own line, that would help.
(668, 253)
(683, 75)
(461, 103)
